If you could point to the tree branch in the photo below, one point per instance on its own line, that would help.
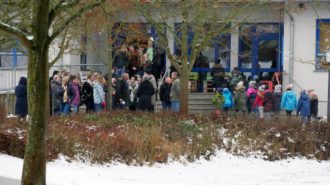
(60, 7)
(16, 32)
(73, 17)
(63, 46)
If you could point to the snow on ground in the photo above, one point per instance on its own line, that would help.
(223, 169)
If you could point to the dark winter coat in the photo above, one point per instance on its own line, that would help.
(21, 105)
(74, 93)
(314, 103)
(218, 75)
(87, 96)
(269, 101)
(121, 60)
(303, 108)
(122, 91)
(277, 102)
(57, 95)
(240, 99)
(165, 92)
(250, 100)
(144, 93)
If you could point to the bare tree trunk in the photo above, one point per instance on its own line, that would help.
(184, 78)
(34, 168)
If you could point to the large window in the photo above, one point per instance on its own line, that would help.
(260, 47)
(322, 43)
(217, 49)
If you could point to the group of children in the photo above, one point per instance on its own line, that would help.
(266, 103)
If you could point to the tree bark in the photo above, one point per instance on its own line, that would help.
(34, 167)
(184, 91)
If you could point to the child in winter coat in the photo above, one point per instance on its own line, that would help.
(289, 100)
(240, 98)
(303, 108)
(228, 99)
(259, 102)
(278, 98)
(218, 101)
(314, 102)
(269, 104)
(251, 95)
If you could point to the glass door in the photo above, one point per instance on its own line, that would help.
(259, 50)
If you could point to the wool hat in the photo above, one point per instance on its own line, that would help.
(278, 88)
(240, 85)
(289, 87)
(262, 88)
(252, 84)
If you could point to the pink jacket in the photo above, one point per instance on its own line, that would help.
(250, 91)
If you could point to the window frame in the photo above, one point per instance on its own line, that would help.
(213, 42)
(317, 43)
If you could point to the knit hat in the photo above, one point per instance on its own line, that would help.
(240, 85)
(252, 84)
(289, 87)
(262, 88)
(278, 88)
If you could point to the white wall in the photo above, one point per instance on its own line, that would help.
(304, 49)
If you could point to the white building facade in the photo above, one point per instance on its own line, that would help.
(292, 38)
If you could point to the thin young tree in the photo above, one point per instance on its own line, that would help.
(193, 25)
(36, 24)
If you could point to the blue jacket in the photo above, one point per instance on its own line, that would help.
(289, 101)
(228, 98)
(303, 104)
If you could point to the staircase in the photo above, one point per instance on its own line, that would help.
(197, 103)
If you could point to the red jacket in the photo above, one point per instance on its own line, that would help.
(260, 99)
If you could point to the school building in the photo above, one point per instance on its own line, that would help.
(289, 37)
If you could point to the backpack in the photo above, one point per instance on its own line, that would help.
(251, 100)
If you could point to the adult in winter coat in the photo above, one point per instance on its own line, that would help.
(240, 98)
(87, 93)
(289, 100)
(74, 93)
(144, 93)
(98, 93)
(121, 61)
(278, 98)
(57, 95)
(121, 96)
(165, 92)
(218, 75)
(303, 108)
(175, 92)
(152, 79)
(133, 87)
(228, 100)
(21, 105)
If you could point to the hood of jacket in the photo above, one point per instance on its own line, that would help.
(303, 96)
(22, 81)
(225, 91)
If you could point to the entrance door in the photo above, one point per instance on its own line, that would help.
(259, 50)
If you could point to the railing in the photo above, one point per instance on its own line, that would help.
(9, 77)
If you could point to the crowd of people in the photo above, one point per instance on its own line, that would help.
(68, 93)
(261, 100)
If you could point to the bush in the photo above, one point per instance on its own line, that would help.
(145, 138)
